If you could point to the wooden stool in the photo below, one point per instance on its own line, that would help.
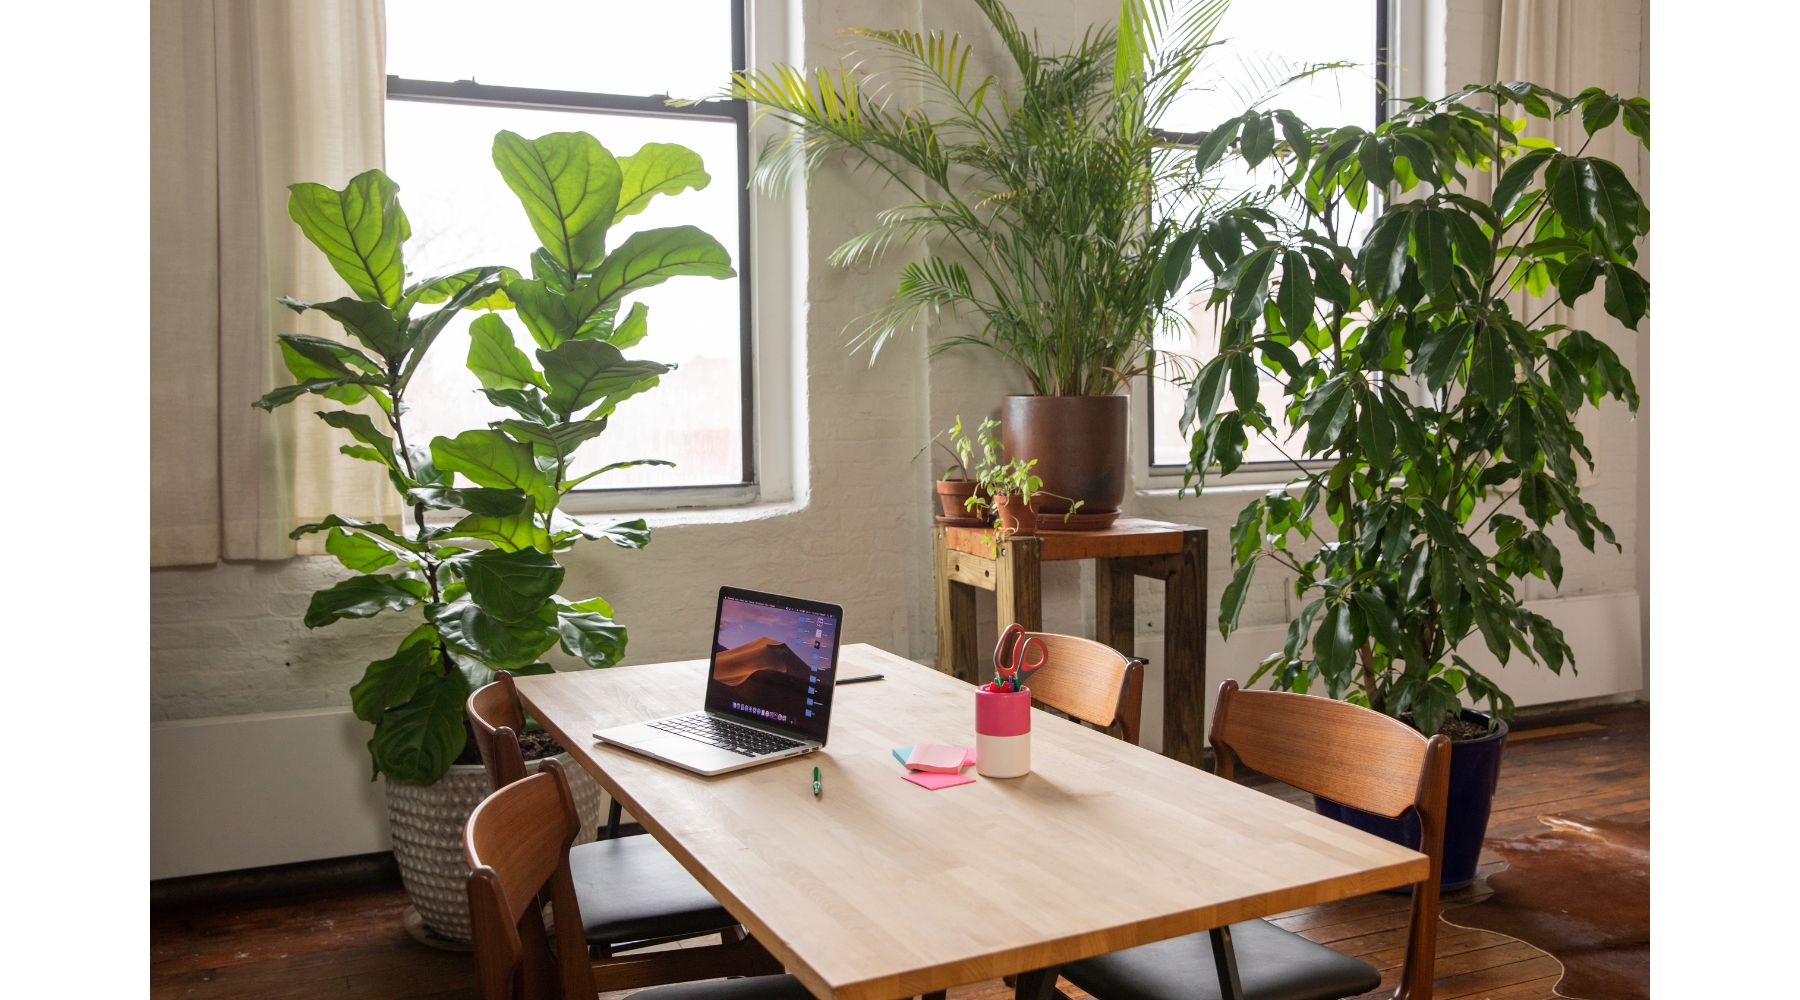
(1132, 547)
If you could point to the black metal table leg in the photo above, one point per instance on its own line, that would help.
(1225, 959)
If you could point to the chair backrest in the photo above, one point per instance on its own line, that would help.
(517, 843)
(497, 718)
(1090, 681)
(1359, 758)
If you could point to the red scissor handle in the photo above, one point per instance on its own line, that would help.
(1014, 651)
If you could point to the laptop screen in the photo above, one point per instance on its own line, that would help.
(774, 661)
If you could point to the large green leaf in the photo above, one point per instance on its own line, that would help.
(632, 534)
(1491, 373)
(360, 229)
(363, 597)
(502, 645)
(632, 328)
(511, 585)
(591, 636)
(360, 552)
(1517, 177)
(1231, 603)
(556, 441)
(582, 372)
(362, 428)
(315, 357)
(495, 358)
(490, 458)
(654, 256)
(569, 185)
(416, 742)
(371, 323)
(1627, 294)
(1384, 255)
(392, 682)
(1295, 299)
(475, 499)
(552, 316)
(508, 532)
(657, 168)
(375, 528)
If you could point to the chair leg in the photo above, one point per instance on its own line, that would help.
(613, 813)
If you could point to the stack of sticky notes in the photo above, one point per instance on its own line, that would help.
(932, 766)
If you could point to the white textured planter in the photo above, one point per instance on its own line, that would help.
(427, 823)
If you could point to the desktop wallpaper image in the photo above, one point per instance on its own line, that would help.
(774, 663)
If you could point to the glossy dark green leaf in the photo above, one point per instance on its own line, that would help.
(653, 256)
(1335, 643)
(362, 428)
(1473, 247)
(392, 682)
(1517, 177)
(515, 532)
(1231, 603)
(495, 358)
(416, 742)
(1441, 354)
(1245, 383)
(1328, 419)
(1617, 207)
(1375, 432)
(1577, 277)
(1436, 261)
(475, 500)
(363, 597)
(1599, 112)
(1212, 146)
(569, 185)
(371, 323)
(1627, 295)
(1491, 372)
(1383, 261)
(657, 168)
(1574, 193)
(1637, 118)
(360, 229)
(315, 357)
(1252, 289)
(1257, 139)
(1379, 617)
(511, 585)
(1295, 299)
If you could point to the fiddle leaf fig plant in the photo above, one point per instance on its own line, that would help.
(1434, 417)
(480, 559)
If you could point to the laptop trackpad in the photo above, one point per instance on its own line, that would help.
(668, 746)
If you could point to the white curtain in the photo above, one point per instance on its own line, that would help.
(247, 97)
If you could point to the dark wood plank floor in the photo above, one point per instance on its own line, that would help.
(347, 941)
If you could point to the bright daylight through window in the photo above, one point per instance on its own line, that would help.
(1264, 44)
(603, 70)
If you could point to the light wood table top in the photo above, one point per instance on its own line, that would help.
(881, 889)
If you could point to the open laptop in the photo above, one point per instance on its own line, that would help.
(768, 692)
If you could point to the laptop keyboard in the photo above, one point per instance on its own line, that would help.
(725, 735)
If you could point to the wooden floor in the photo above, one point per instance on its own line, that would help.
(347, 942)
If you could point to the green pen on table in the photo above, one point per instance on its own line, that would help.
(816, 786)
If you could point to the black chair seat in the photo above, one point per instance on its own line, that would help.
(1272, 965)
(753, 988)
(631, 889)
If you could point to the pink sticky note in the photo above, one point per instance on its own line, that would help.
(934, 780)
(969, 758)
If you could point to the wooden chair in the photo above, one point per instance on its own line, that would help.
(1091, 682)
(629, 891)
(518, 842)
(1330, 748)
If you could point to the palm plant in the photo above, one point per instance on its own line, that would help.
(1057, 202)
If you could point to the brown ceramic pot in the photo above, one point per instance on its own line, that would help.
(953, 496)
(1079, 444)
(1015, 517)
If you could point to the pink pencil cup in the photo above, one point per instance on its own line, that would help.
(1002, 733)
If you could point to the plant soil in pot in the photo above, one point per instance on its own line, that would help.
(1079, 443)
(1016, 518)
(1474, 773)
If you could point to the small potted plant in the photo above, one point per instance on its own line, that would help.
(960, 479)
(1013, 491)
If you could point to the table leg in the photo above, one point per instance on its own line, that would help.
(1038, 984)
(1184, 654)
(1018, 594)
(955, 618)
(1225, 962)
(1115, 614)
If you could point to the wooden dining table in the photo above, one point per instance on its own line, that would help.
(878, 888)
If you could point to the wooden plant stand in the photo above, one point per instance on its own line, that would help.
(965, 561)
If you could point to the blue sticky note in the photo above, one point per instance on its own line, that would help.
(901, 753)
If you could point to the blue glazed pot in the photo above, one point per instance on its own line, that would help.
(1474, 772)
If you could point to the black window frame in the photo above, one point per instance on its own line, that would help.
(468, 92)
(1383, 86)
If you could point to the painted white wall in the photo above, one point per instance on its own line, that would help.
(227, 647)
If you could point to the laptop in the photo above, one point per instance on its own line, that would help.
(768, 689)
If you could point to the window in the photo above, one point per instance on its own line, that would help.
(459, 73)
(1263, 43)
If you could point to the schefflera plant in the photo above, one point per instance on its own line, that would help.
(1442, 421)
(479, 561)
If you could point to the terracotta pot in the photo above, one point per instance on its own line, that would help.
(1079, 444)
(1018, 518)
(953, 496)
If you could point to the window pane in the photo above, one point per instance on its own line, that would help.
(463, 214)
(677, 47)
(1264, 44)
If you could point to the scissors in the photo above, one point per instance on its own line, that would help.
(1012, 656)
